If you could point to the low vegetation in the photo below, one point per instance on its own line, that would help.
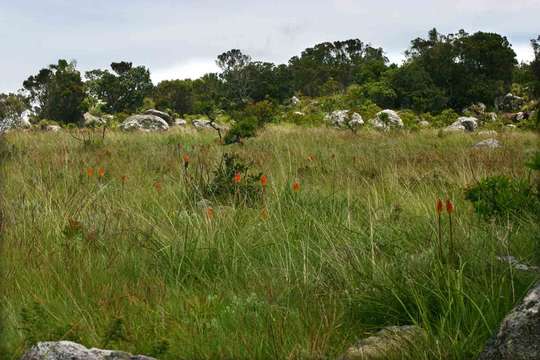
(291, 245)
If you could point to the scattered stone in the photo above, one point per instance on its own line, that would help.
(388, 342)
(511, 126)
(144, 123)
(180, 122)
(299, 113)
(160, 114)
(344, 119)
(488, 143)
(516, 264)
(509, 103)
(52, 128)
(464, 123)
(423, 123)
(386, 119)
(295, 101)
(487, 133)
(90, 120)
(519, 334)
(67, 350)
(520, 116)
(477, 109)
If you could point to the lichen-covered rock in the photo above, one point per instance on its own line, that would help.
(344, 119)
(160, 114)
(423, 123)
(488, 143)
(295, 101)
(52, 128)
(509, 103)
(518, 337)
(464, 123)
(90, 120)
(144, 123)
(67, 350)
(180, 122)
(206, 124)
(477, 109)
(386, 119)
(387, 343)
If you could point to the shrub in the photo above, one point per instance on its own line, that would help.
(498, 196)
(244, 128)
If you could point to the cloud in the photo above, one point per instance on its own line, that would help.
(190, 69)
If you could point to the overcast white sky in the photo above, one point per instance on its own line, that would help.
(179, 39)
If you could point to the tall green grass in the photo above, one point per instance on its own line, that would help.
(122, 265)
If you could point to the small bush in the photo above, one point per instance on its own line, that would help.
(502, 196)
(243, 128)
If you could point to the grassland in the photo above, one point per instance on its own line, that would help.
(136, 263)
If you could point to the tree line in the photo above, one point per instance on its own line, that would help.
(440, 71)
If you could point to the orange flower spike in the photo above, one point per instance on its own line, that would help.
(237, 178)
(157, 185)
(264, 181)
(186, 158)
(90, 172)
(439, 206)
(296, 186)
(210, 213)
(123, 178)
(449, 206)
(101, 172)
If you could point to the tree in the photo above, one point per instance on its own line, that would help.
(175, 95)
(535, 66)
(12, 106)
(121, 91)
(233, 64)
(58, 92)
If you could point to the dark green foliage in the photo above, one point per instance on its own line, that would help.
(246, 127)
(501, 196)
(223, 187)
(12, 105)
(58, 91)
(175, 95)
(122, 91)
(114, 332)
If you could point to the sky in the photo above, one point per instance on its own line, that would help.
(181, 39)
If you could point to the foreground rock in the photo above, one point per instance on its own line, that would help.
(509, 103)
(387, 343)
(464, 123)
(516, 264)
(67, 350)
(90, 120)
(518, 337)
(488, 143)
(160, 114)
(144, 123)
(387, 119)
(345, 119)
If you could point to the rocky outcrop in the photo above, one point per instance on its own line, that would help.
(509, 103)
(67, 350)
(160, 114)
(387, 343)
(21, 121)
(180, 122)
(207, 124)
(344, 119)
(90, 120)
(518, 337)
(144, 123)
(386, 119)
(464, 123)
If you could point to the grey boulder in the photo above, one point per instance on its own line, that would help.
(488, 143)
(386, 119)
(144, 123)
(160, 114)
(67, 350)
(90, 120)
(464, 123)
(518, 337)
(509, 103)
(344, 119)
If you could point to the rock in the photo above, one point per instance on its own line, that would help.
(180, 122)
(90, 120)
(387, 343)
(295, 101)
(488, 143)
(519, 334)
(477, 109)
(509, 103)
(423, 123)
(67, 350)
(144, 123)
(299, 113)
(464, 123)
(491, 117)
(386, 119)
(53, 128)
(520, 116)
(160, 114)
(487, 133)
(516, 264)
(344, 119)
(205, 124)
(511, 126)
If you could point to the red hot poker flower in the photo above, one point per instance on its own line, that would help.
(296, 186)
(439, 206)
(237, 178)
(90, 172)
(449, 206)
(101, 172)
(264, 180)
